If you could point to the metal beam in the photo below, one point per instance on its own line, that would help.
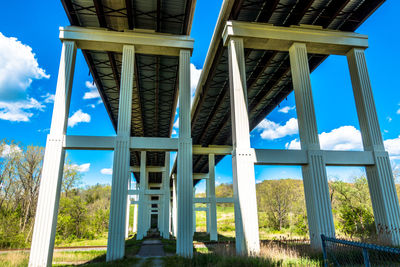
(200, 176)
(148, 168)
(144, 42)
(267, 37)
(80, 142)
(299, 157)
(217, 150)
(154, 143)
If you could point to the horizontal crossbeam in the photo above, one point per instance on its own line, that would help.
(268, 37)
(145, 42)
(154, 143)
(200, 176)
(299, 157)
(217, 150)
(148, 168)
(76, 142)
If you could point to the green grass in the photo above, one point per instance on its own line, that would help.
(200, 259)
(79, 243)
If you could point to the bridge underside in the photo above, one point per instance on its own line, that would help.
(138, 53)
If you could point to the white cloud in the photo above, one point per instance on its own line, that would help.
(78, 117)
(398, 111)
(82, 168)
(176, 124)
(286, 109)
(6, 150)
(194, 78)
(45, 130)
(48, 98)
(342, 138)
(93, 93)
(18, 68)
(389, 119)
(20, 110)
(271, 130)
(393, 147)
(106, 171)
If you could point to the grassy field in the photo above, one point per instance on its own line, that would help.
(226, 225)
(272, 254)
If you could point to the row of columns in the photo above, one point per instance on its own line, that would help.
(50, 187)
(319, 212)
(380, 178)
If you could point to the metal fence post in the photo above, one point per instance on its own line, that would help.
(324, 250)
(365, 256)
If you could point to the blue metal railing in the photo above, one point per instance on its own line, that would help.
(394, 260)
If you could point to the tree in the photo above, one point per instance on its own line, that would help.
(275, 198)
(353, 206)
(29, 170)
(72, 177)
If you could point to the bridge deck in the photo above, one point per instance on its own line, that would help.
(156, 77)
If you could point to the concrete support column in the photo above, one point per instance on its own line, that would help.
(174, 206)
(381, 184)
(121, 166)
(142, 197)
(50, 186)
(184, 244)
(319, 211)
(194, 211)
(244, 184)
(208, 206)
(166, 197)
(213, 200)
(135, 213)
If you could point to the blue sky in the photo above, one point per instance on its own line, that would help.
(29, 58)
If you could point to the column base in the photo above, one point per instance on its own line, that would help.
(316, 191)
(384, 199)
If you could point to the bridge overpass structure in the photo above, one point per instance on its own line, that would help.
(138, 53)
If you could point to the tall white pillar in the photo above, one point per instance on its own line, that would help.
(316, 190)
(142, 198)
(135, 212)
(50, 186)
(208, 206)
(194, 210)
(381, 184)
(174, 206)
(213, 200)
(121, 166)
(166, 197)
(244, 184)
(184, 244)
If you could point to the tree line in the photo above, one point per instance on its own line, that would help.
(83, 212)
(281, 206)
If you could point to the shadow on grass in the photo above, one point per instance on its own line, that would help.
(132, 247)
(205, 237)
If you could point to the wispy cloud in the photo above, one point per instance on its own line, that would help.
(342, 138)
(93, 93)
(106, 171)
(78, 117)
(286, 109)
(271, 130)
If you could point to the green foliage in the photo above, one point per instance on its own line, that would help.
(352, 205)
(280, 200)
(83, 214)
